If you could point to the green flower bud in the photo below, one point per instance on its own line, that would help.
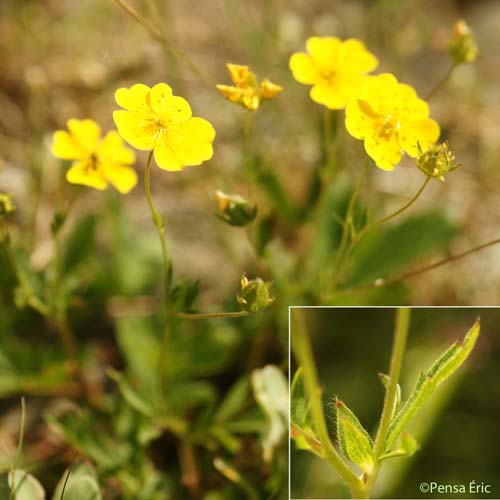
(437, 160)
(462, 46)
(234, 209)
(6, 205)
(254, 295)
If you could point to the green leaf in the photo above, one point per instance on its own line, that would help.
(397, 401)
(355, 443)
(441, 369)
(299, 407)
(407, 447)
(25, 486)
(234, 401)
(132, 397)
(302, 431)
(270, 389)
(387, 250)
(81, 484)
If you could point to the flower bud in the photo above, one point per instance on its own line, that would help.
(254, 294)
(246, 90)
(269, 89)
(6, 205)
(234, 209)
(437, 161)
(462, 46)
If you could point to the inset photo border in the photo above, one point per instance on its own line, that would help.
(391, 402)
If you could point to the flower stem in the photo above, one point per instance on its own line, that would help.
(398, 349)
(303, 352)
(155, 33)
(372, 225)
(212, 315)
(441, 82)
(341, 252)
(160, 226)
(421, 270)
(167, 274)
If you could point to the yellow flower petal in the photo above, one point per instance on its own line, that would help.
(408, 104)
(85, 133)
(140, 133)
(385, 151)
(234, 94)
(122, 177)
(238, 73)
(360, 119)
(113, 150)
(65, 147)
(134, 98)
(82, 172)
(167, 106)
(424, 131)
(269, 89)
(187, 144)
(324, 50)
(353, 52)
(331, 96)
(303, 68)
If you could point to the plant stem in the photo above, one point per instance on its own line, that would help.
(421, 270)
(372, 225)
(398, 349)
(441, 82)
(167, 274)
(212, 315)
(155, 33)
(340, 255)
(160, 226)
(303, 352)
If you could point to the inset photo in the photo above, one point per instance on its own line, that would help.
(391, 402)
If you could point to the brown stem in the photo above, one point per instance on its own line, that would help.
(421, 270)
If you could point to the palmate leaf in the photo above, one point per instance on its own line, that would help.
(427, 383)
(355, 443)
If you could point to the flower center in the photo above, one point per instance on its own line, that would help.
(389, 125)
(328, 75)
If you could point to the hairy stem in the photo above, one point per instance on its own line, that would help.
(398, 349)
(303, 352)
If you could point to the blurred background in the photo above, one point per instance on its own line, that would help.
(457, 430)
(63, 59)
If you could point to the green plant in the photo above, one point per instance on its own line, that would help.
(309, 424)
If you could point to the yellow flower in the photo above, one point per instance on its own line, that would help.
(247, 91)
(97, 161)
(155, 119)
(390, 118)
(334, 67)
